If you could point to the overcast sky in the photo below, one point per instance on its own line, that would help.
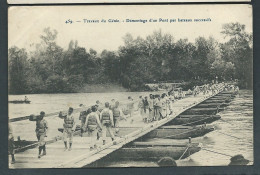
(26, 24)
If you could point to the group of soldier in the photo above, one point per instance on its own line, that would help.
(99, 119)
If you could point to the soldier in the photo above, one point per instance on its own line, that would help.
(164, 105)
(170, 105)
(141, 106)
(106, 117)
(41, 131)
(99, 106)
(25, 98)
(130, 106)
(158, 108)
(112, 104)
(82, 118)
(69, 127)
(151, 108)
(11, 143)
(116, 116)
(91, 125)
(146, 109)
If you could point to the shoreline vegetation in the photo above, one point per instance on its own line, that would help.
(157, 57)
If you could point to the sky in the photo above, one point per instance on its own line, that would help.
(26, 24)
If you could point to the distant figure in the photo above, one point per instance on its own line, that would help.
(117, 113)
(82, 118)
(164, 105)
(112, 104)
(151, 107)
(99, 106)
(25, 98)
(106, 117)
(146, 109)
(141, 107)
(236, 89)
(11, 144)
(41, 131)
(91, 126)
(130, 106)
(170, 107)
(238, 160)
(69, 127)
(157, 108)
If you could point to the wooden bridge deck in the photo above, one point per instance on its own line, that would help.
(80, 155)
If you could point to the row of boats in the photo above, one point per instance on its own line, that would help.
(174, 138)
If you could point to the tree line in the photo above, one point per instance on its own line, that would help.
(157, 57)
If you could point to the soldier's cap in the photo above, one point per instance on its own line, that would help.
(42, 113)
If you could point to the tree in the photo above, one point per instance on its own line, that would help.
(17, 65)
(238, 49)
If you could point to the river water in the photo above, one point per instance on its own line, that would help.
(233, 134)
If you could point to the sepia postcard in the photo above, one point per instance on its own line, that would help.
(113, 1)
(130, 86)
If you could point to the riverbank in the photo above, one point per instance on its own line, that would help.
(102, 88)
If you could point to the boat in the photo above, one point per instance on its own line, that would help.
(172, 132)
(190, 120)
(211, 105)
(201, 111)
(180, 132)
(155, 149)
(20, 101)
(229, 92)
(225, 95)
(217, 101)
(221, 98)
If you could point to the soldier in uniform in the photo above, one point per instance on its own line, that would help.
(151, 108)
(11, 143)
(91, 126)
(130, 106)
(141, 107)
(41, 131)
(164, 105)
(116, 116)
(106, 117)
(157, 108)
(82, 118)
(69, 127)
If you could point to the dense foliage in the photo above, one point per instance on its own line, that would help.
(158, 57)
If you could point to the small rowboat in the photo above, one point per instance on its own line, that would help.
(20, 101)
(191, 120)
(155, 149)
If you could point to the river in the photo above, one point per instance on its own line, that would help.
(233, 134)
